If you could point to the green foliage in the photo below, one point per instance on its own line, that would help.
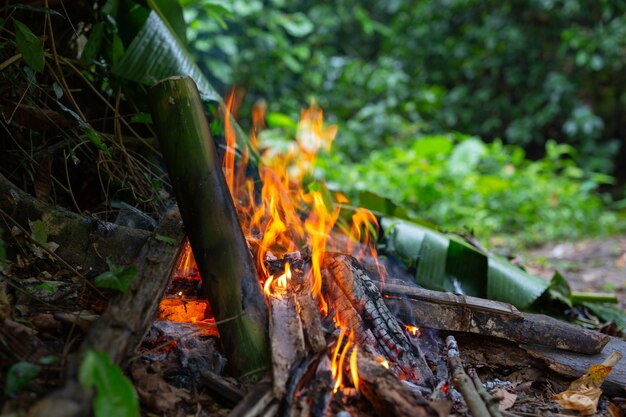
(115, 394)
(521, 71)
(20, 374)
(29, 45)
(458, 182)
(117, 277)
(38, 232)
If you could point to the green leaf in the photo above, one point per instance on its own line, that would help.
(513, 285)
(465, 156)
(36, 9)
(141, 118)
(117, 277)
(560, 290)
(155, 53)
(92, 48)
(115, 394)
(38, 232)
(608, 312)
(173, 13)
(166, 239)
(30, 46)
(297, 24)
(48, 360)
(19, 375)
(448, 263)
(47, 286)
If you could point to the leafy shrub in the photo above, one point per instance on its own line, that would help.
(459, 182)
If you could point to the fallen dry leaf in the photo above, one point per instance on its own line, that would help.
(154, 391)
(506, 399)
(583, 394)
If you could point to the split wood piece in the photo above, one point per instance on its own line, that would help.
(463, 383)
(387, 394)
(83, 241)
(574, 365)
(224, 261)
(360, 306)
(258, 402)
(315, 400)
(311, 322)
(123, 325)
(286, 338)
(447, 311)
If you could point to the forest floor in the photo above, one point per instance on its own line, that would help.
(597, 265)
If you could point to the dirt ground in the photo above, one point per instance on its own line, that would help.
(588, 265)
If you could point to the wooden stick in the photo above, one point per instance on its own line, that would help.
(225, 263)
(491, 403)
(447, 311)
(463, 383)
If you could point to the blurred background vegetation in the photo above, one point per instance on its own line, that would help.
(501, 117)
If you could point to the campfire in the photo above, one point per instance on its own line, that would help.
(333, 339)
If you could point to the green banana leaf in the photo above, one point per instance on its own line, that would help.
(447, 263)
(156, 52)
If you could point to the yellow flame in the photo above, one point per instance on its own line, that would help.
(354, 369)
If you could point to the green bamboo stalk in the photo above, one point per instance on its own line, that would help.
(219, 247)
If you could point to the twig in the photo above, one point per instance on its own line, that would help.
(492, 403)
(462, 382)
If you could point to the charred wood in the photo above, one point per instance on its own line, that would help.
(387, 394)
(447, 311)
(359, 305)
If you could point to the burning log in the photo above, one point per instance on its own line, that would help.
(446, 311)
(228, 273)
(121, 328)
(387, 394)
(359, 304)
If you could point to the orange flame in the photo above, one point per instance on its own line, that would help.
(281, 281)
(228, 164)
(414, 330)
(384, 362)
(336, 365)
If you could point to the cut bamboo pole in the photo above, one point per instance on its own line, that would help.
(224, 261)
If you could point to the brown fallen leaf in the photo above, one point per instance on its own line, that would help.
(154, 391)
(506, 399)
(583, 394)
